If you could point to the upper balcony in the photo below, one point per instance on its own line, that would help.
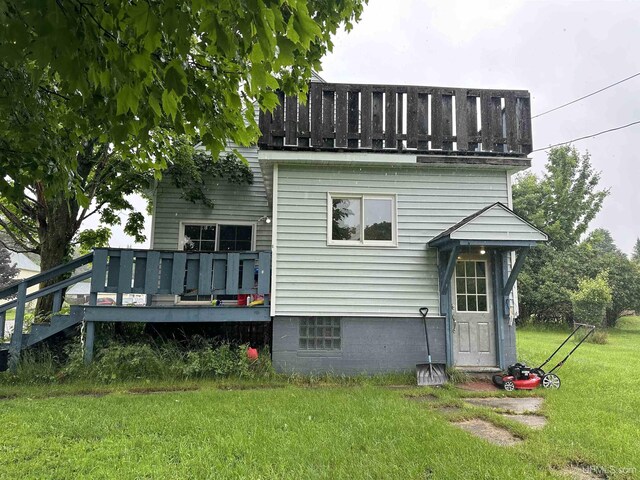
(397, 119)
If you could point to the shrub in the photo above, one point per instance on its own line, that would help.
(601, 337)
(223, 361)
(591, 299)
(127, 362)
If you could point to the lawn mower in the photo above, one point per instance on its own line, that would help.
(521, 377)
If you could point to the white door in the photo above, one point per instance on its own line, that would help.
(474, 339)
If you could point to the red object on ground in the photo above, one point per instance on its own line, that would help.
(252, 353)
(530, 383)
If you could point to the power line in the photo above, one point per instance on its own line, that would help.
(587, 136)
(587, 96)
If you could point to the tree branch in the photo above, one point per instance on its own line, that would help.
(19, 224)
(17, 241)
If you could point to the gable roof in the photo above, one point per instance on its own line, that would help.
(493, 223)
(23, 262)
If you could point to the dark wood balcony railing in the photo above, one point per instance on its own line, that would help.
(401, 118)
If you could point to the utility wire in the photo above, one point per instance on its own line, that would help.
(588, 136)
(586, 96)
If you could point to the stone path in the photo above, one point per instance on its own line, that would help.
(511, 404)
(489, 432)
(532, 421)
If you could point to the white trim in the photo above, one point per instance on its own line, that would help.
(363, 197)
(509, 191)
(274, 239)
(295, 313)
(154, 197)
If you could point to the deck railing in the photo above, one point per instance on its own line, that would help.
(401, 118)
(154, 272)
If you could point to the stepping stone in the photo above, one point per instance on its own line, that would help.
(489, 432)
(532, 421)
(515, 405)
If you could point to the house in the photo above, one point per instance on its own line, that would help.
(378, 207)
(368, 203)
(26, 268)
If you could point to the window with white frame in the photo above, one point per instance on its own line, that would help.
(319, 333)
(215, 237)
(362, 219)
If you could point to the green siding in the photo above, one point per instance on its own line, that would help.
(314, 278)
(245, 203)
(498, 224)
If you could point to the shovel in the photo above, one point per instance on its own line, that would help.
(429, 373)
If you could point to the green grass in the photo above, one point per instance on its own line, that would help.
(323, 427)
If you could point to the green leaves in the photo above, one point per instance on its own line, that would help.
(175, 78)
(127, 100)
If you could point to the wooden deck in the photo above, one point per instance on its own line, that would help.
(391, 118)
(151, 272)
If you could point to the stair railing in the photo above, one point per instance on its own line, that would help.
(19, 289)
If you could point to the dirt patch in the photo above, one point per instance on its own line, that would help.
(149, 390)
(449, 409)
(515, 405)
(581, 472)
(489, 432)
(422, 398)
(478, 386)
(266, 386)
(532, 421)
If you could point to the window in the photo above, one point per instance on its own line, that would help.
(362, 220)
(216, 238)
(319, 333)
(471, 286)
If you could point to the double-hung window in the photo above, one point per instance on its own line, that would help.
(364, 219)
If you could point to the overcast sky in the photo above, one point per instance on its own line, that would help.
(558, 50)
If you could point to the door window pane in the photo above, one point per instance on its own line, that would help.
(378, 218)
(471, 286)
(346, 219)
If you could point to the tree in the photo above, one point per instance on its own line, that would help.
(562, 203)
(8, 269)
(635, 255)
(591, 299)
(119, 71)
(565, 200)
(95, 97)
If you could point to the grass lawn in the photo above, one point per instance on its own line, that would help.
(325, 431)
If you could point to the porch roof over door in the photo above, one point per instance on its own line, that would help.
(494, 226)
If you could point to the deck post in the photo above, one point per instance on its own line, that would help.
(2, 323)
(90, 332)
(16, 338)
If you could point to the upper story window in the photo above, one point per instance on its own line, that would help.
(362, 220)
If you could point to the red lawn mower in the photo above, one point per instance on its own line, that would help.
(521, 377)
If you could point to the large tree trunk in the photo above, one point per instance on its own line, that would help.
(57, 228)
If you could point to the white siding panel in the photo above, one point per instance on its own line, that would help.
(315, 278)
(500, 224)
(246, 203)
